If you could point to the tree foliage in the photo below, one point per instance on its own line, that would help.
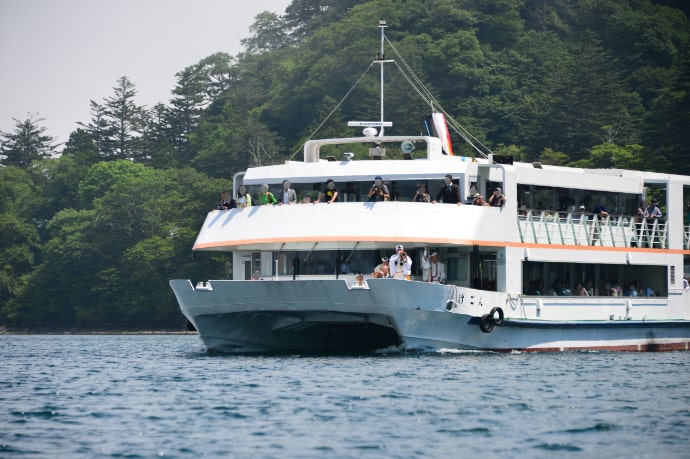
(28, 142)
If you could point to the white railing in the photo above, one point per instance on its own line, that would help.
(568, 228)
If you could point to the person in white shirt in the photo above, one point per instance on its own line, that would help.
(437, 270)
(243, 199)
(400, 264)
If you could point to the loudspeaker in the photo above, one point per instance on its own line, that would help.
(407, 146)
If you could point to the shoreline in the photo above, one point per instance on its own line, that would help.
(4, 331)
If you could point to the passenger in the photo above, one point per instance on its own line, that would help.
(653, 216)
(479, 200)
(449, 193)
(535, 287)
(400, 264)
(421, 195)
(437, 270)
(226, 201)
(331, 194)
(686, 284)
(382, 270)
(557, 289)
(497, 199)
(266, 198)
(378, 191)
(243, 198)
(632, 290)
(606, 290)
(600, 209)
(524, 210)
(287, 195)
(589, 287)
(653, 210)
(580, 290)
(315, 194)
(616, 286)
(580, 212)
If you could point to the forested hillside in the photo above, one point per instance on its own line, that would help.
(89, 239)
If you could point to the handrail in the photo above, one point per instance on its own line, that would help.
(574, 228)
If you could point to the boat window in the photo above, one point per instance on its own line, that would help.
(568, 200)
(562, 279)
(357, 191)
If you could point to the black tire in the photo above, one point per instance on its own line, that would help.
(486, 323)
(498, 321)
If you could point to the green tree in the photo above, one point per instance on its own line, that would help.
(269, 32)
(101, 130)
(26, 143)
(124, 118)
(19, 240)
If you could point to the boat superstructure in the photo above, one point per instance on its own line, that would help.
(302, 273)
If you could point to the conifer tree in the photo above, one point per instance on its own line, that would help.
(26, 143)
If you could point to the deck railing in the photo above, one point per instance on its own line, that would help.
(572, 228)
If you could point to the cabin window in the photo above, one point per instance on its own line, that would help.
(457, 267)
(543, 278)
(351, 191)
(568, 200)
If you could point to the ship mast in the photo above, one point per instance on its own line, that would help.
(381, 60)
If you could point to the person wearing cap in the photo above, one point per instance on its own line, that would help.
(382, 270)
(449, 193)
(378, 191)
(437, 270)
(432, 269)
(497, 199)
(421, 195)
(400, 264)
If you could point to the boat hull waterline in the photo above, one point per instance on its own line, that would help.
(392, 315)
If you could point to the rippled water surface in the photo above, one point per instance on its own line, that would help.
(131, 396)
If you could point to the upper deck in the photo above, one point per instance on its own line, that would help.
(541, 208)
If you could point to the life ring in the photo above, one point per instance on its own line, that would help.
(493, 311)
(486, 323)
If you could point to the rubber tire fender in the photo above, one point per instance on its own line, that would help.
(492, 313)
(486, 323)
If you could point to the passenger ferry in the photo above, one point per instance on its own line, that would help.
(539, 273)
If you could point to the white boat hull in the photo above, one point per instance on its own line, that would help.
(341, 316)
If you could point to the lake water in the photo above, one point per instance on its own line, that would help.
(140, 396)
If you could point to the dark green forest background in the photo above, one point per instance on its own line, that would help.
(89, 239)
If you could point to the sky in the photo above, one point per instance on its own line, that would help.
(58, 55)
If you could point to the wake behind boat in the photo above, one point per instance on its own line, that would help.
(535, 272)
